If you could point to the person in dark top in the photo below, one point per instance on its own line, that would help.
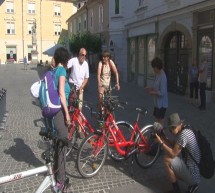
(194, 83)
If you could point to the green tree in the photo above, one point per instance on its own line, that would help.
(92, 42)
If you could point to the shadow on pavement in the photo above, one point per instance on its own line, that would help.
(21, 152)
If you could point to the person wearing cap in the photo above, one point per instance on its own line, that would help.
(177, 161)
(105, 66)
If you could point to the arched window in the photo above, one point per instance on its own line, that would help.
(117, 9)
(205, 53)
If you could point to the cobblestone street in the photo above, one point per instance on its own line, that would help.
(21, 146)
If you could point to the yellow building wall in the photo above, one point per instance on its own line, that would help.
(45, 21)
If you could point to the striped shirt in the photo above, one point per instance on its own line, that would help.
(186, 138)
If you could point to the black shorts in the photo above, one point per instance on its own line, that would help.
(159, 113)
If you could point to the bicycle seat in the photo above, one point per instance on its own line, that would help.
(142, 110)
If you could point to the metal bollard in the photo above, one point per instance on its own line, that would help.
(3, 113)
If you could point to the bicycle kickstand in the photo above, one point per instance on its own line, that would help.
(132, 165)
(66, 184)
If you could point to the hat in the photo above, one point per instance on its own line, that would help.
(174, 120)
(106, 53)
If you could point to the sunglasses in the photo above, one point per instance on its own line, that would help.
(83, 55)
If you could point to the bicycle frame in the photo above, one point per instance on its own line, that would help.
(78, 117)
(49, 180)
(118, 139)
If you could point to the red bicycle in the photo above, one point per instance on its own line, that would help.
(121, 142)
(79, 121)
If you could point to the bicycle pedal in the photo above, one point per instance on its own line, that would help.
(94, 166)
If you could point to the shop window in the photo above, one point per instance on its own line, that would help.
(151, 55)
(205, 54)
(141, 55)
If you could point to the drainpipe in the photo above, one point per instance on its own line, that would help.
(23, 53)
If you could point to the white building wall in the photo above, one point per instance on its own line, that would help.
(123, 26)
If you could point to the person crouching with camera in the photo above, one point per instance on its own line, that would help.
(177, 161)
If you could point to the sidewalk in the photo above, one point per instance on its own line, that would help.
(202, 120)
(25, 121)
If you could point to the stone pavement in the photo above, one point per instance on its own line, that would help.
(21, 145)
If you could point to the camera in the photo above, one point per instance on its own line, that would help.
(158, 129)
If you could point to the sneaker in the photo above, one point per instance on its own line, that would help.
(193, 188)
(60, 186)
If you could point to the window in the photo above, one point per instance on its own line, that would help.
(100, 14)
(31, 8)
(205, 51)
(57, 29)
(141, 2)
(183, 41)
(9, 7)
(57, 10)
(116, 6)
(79, 24)
(151, 55)
(30, 26)
(85, 22)
(141, 55)
(91, 18)
(133, 56)
(10, 28)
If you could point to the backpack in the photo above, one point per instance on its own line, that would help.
(110, 66)
(35, 89)
(111, 72)
(49, 96)
(206, 164)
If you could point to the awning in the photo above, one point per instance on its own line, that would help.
(50, 51)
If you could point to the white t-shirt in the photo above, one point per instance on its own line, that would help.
(78, 71)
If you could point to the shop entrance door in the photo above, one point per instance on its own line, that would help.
(176, 62)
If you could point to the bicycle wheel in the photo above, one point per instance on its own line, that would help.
(145, 157)
(126, 129)
(91, 155)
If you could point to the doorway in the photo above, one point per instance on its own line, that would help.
(176, 62)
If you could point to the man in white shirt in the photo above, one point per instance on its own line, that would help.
(79, 74)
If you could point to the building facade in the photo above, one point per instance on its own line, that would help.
(92, 16)
(31, 27)
(178, 31)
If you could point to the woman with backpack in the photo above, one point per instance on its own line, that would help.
(105, 67)
(62, 118)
